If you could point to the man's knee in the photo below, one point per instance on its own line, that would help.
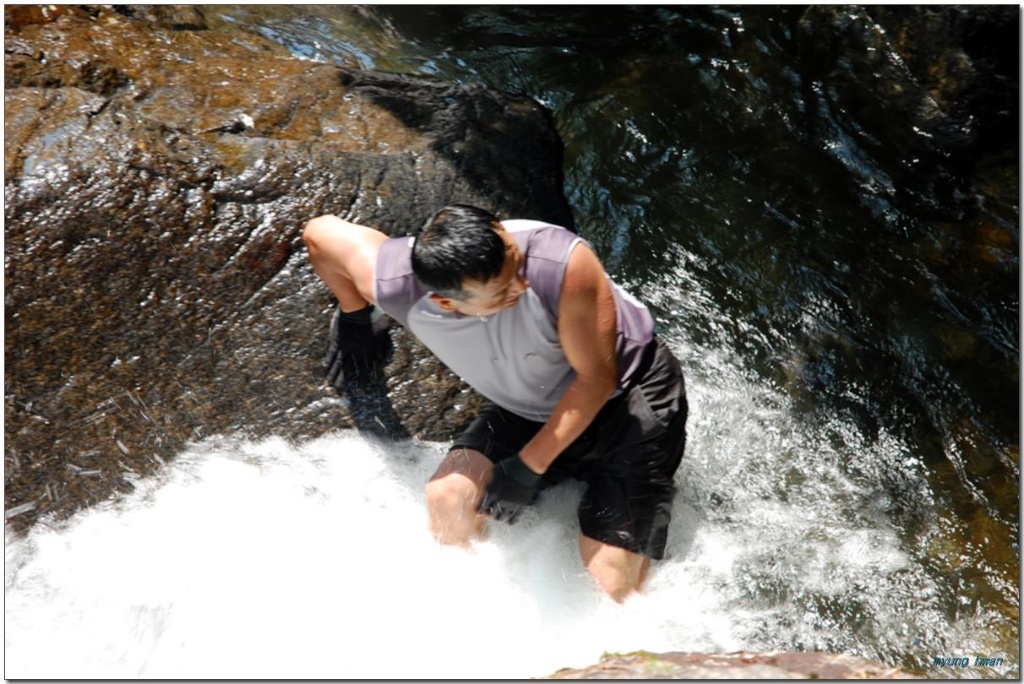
(447, 495)
(451, 505)
(618, 583)
(616, 571)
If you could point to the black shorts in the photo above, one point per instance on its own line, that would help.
(628, 456)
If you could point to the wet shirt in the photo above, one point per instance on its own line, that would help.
(512, 357)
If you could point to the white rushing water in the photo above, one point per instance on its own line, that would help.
(278, 560)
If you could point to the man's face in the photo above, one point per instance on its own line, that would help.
(496, 294)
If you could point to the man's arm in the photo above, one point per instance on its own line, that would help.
(344, 255)
(587, 331)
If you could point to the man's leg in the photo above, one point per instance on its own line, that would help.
(630, 492)
(453, 494)
(617, 571)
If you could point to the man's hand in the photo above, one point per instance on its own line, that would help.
(354, 351)
(513, 488)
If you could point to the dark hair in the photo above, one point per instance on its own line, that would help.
(457, 243)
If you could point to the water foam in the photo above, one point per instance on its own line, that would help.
(273, 560)
(270, 559)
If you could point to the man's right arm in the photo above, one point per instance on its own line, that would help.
(344, 255)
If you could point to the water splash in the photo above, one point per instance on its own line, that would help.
(270, 559)
(275, 560)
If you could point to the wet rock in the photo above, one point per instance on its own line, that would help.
(176, 17)
(740, 665)
(157, 291)
(17, 16)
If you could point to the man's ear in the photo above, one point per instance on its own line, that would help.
(444, 302)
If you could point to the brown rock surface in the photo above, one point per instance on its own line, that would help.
(739, 665)
(157, 178)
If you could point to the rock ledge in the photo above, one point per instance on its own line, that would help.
(737, 665)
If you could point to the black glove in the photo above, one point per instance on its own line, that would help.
(513, 488)
(354, 351)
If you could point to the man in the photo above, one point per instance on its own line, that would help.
(580, 385)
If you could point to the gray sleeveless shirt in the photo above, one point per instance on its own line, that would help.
(513, 357)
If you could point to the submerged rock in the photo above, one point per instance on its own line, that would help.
(740, 665)
(157, 178)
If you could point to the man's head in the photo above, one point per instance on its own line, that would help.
(468, 260)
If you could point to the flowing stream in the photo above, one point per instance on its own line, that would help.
(850, 482)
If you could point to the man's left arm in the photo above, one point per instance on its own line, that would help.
(587, 331)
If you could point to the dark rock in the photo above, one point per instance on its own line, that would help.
(739, 665)
(175, 17)
(18, 16)
(157, 289)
